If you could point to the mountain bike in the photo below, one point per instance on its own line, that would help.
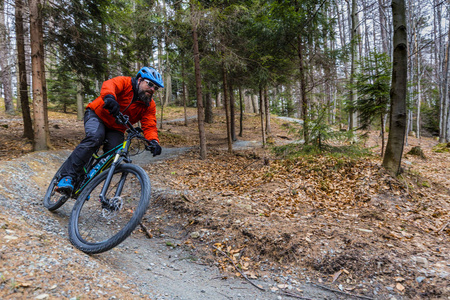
(112, 195)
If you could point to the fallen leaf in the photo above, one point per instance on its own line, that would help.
(400, 287)
(336, 275)
(24, 284)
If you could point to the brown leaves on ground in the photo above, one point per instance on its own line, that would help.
(316, 216)
(65, 133)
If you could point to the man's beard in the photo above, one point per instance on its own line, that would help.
(144, 98)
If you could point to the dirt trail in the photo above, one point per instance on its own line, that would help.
(36, 254)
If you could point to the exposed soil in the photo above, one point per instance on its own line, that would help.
(302, 226)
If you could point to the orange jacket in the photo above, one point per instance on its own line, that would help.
(122, 89)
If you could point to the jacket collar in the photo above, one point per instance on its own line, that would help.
(134, 84)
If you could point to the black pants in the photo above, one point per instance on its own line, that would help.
(97, 134)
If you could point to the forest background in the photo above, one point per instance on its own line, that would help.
(328, 63)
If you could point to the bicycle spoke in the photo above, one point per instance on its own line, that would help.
(124, 194)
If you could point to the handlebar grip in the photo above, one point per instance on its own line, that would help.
(122, 119)
(149, 147)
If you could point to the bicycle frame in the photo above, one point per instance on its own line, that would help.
(95, 159)
(112, 161)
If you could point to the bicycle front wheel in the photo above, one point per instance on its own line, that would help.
(94, 228)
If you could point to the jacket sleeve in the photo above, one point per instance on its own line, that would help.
(148, 122)
(112, 87)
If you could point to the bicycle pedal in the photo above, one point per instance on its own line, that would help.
(64, 191)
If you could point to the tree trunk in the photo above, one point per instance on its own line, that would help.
(6, 76)
(254, 103)
(44, 81)
(354, 53)
(209, 116)
(267, 111)
(397, 128)
(80, 100)
(303, 91)
(419, 97)
(367, 46)
(441, 68)
(241, 116)
(443, 134)
(232, 114)
(383, 30)
(104, 49)
(227, 109)
(23, 86)
(198, 83)
(382, 135)
(447, 131)
(168, 89)
(37, 60)
(183, 76)
(261, 113)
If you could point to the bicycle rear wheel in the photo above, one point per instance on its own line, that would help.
(52, 199)
(94, 229)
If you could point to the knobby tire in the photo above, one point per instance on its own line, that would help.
(93, 232)
(52, 199)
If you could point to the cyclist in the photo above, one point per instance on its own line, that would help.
(130, 96)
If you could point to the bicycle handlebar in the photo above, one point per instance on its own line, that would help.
(125, 120)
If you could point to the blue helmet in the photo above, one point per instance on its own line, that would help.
(152, 75)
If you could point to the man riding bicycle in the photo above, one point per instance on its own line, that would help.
(128, 95)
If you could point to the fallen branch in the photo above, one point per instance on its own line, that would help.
(185, 197)
(443, 227)
(237, 269)
(341, 292)
(225, 295)
(147, 232)
(293, 295)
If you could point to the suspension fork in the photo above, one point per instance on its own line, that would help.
(115, 163)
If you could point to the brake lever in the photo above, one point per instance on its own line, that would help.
(149, 147)
(122, 119)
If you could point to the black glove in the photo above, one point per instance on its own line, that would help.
(111, 105)
(155, 148)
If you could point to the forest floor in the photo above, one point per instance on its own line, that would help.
(294, 226)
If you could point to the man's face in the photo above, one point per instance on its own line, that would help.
(146, 90)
